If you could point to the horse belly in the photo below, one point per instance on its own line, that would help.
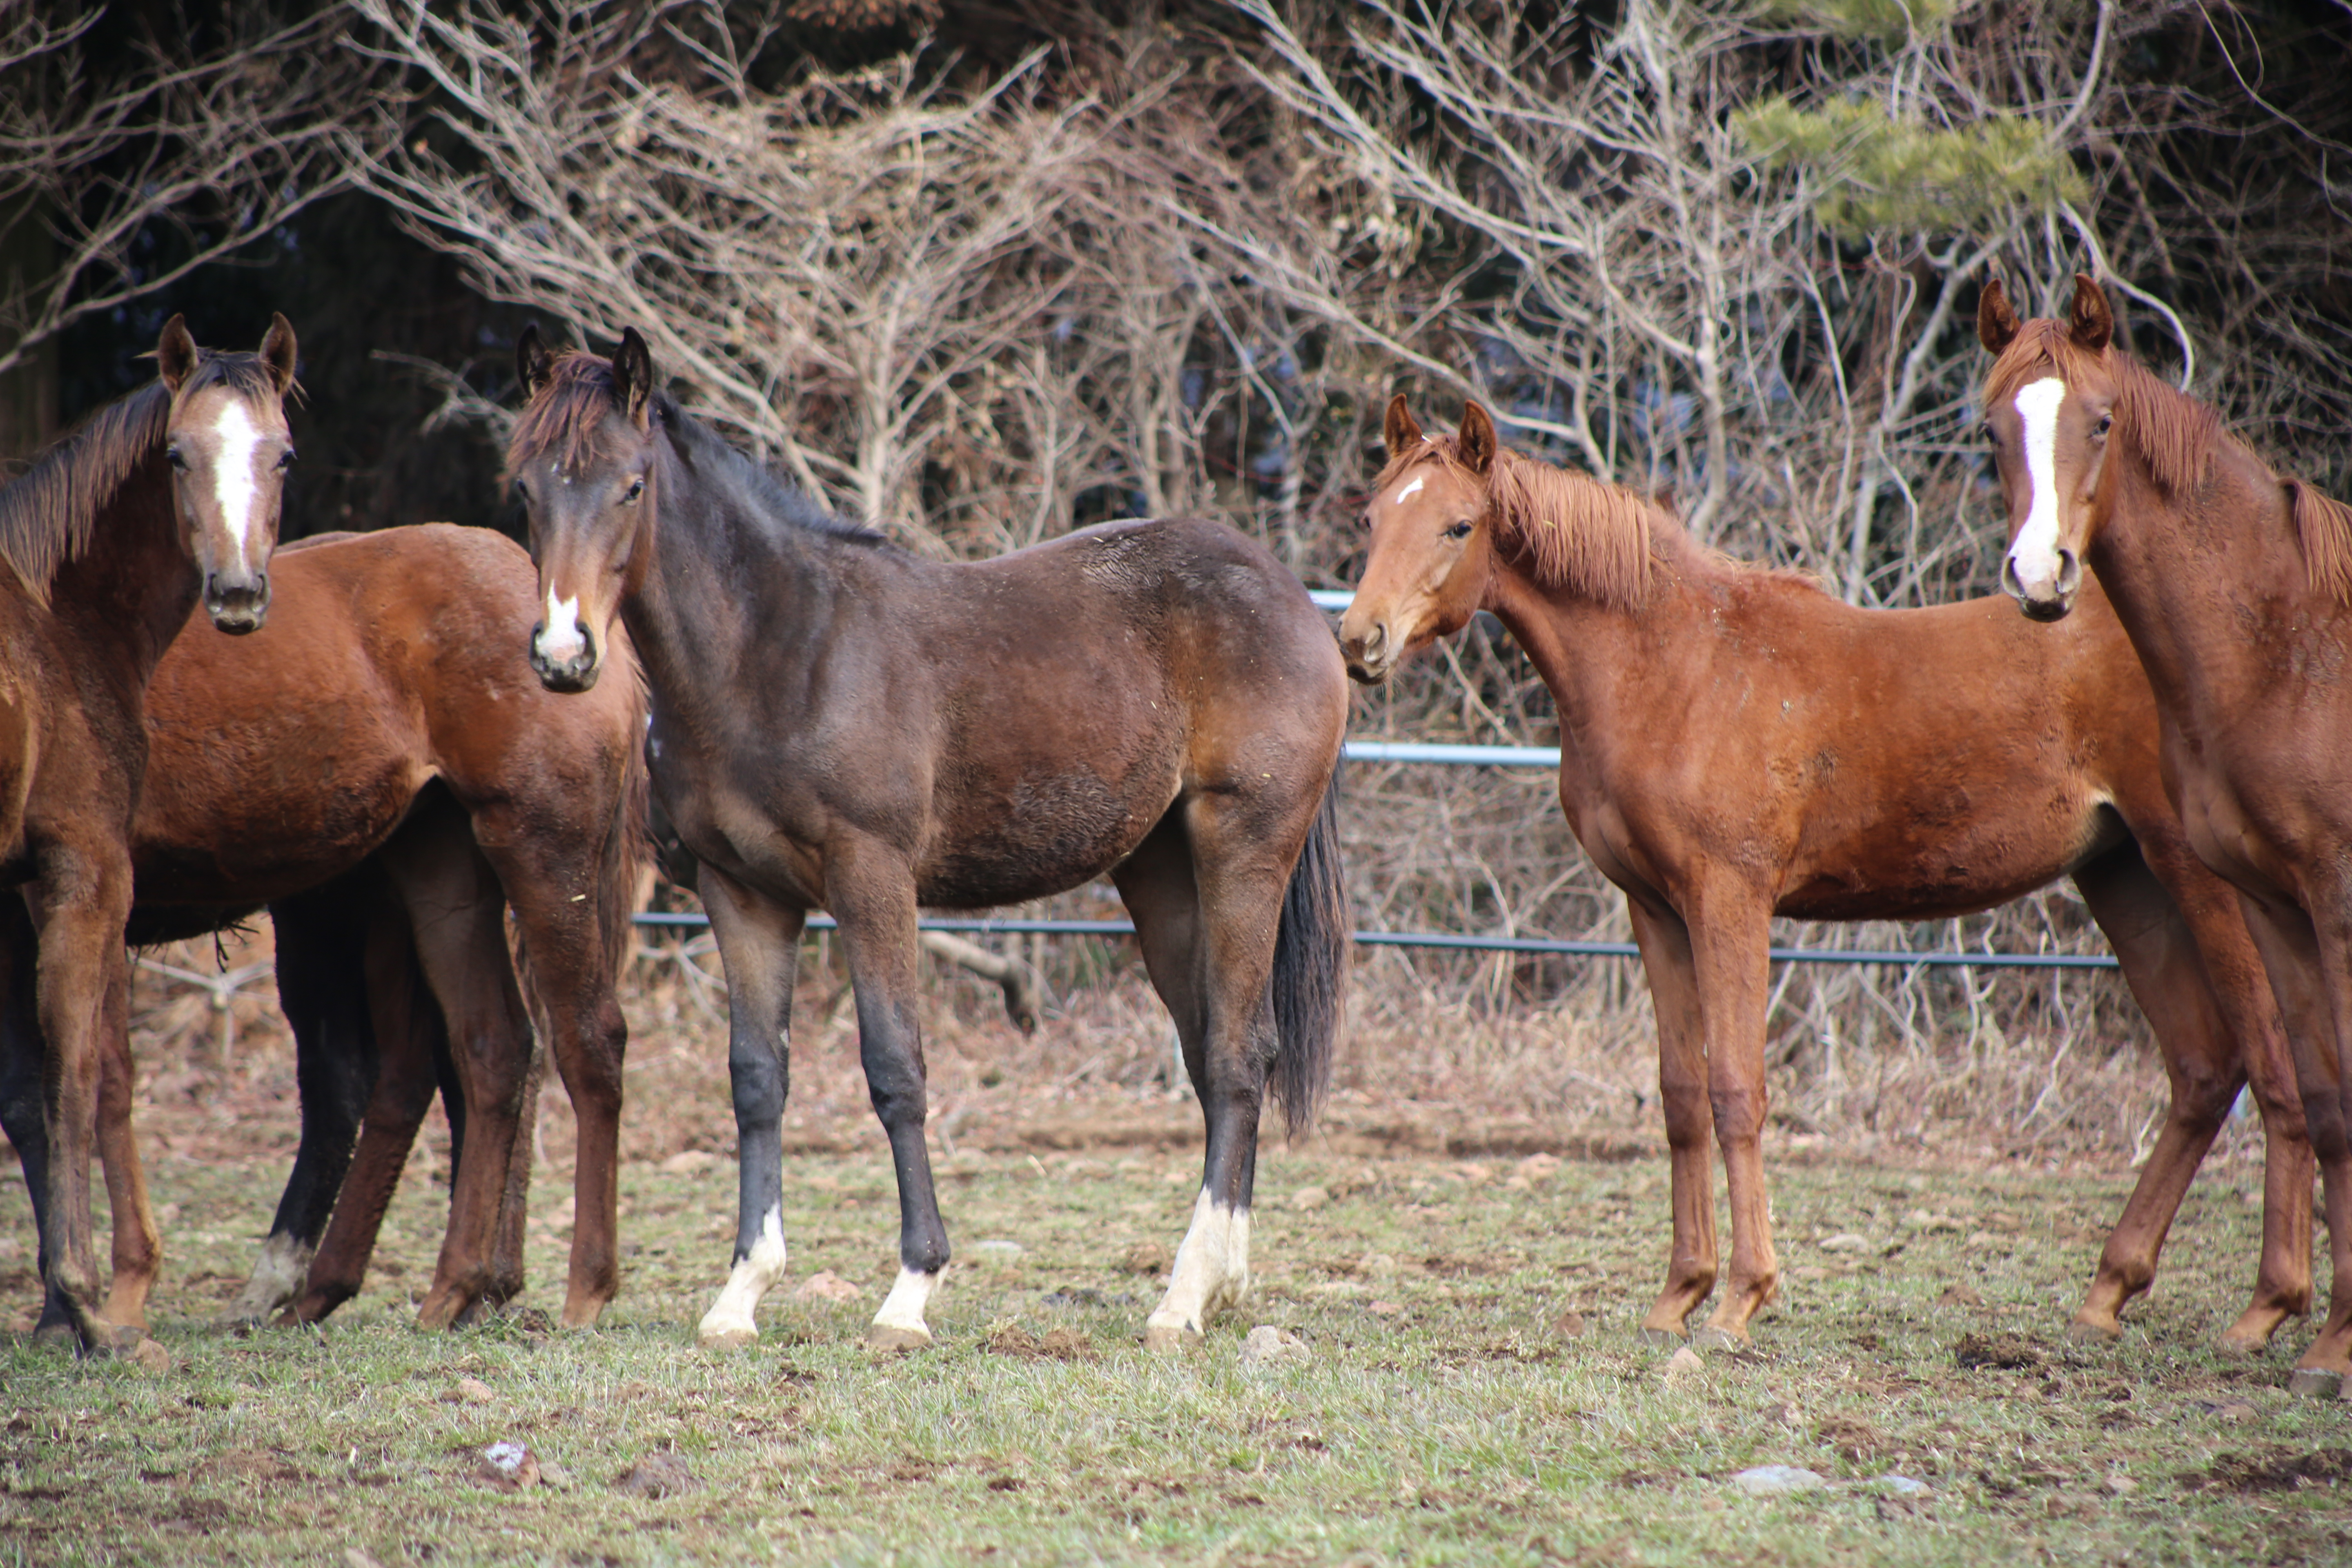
(1054, 832)
(272, 828)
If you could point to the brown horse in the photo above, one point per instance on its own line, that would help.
(1829, 763)
(165, 497)
(841, 724)
(2235, 587)
(377, 768)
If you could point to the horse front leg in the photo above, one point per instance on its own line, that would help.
(875, 903)
(2292, 953)
(1732, 947)
(138, 1250)
(1691, 1260)
(759, 946)
(80, 907)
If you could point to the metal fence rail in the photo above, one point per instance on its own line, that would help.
(971, 925)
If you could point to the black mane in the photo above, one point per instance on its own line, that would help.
(769, 494)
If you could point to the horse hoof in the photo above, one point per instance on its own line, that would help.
(2315, 1383)
(1661, 1339)
(56, 1336)
(2087, 1332)
(886, 1337)
(1725, 1342)
(728, 1339)
(1166, 1339)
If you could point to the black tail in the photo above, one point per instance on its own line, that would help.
(1310, 969)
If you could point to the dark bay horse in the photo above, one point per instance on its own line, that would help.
(2235, 588)
(165, 497)
(1829, 763)
(379, 770)
(840, 724)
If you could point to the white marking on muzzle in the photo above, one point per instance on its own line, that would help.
(731, 1319)
(2033, 555)
(233, 480)
(561, 639)
(1411, 490)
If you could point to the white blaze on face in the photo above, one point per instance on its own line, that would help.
(1411, 490)
(903, 1308)
(1212, 1267)
(2034, 555)
(730, 1319)
(236, 440)
(561, 639)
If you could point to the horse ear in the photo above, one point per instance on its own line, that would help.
(1475, 442)
(2090, 323)
(278, 351)
(532, 362)
(175, 353)
(633, 377)
(1400, 429)
(1997, 322)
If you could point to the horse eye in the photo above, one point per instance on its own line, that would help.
(2106, 423)
(636, 488)
(179, 459)
(1459, 531)
(286, 459)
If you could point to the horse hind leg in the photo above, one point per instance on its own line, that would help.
(404, 1023)
(20, 1094)
(320, 942)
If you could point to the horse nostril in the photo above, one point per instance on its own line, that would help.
(2070, 572)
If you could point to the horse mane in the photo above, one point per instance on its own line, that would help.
(566, 416)
(49, 514)
(1567, 530)
(2176, 436)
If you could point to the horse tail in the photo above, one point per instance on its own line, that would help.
(1310, 968)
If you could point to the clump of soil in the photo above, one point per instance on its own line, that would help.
(2279, 1470)
(2008, 1352)
(1059, 1344)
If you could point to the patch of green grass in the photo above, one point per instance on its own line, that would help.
(1440, 1419)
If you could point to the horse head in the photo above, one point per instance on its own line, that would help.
(1426, 572)
(2050, 405)
(583, 458)
(230, 448)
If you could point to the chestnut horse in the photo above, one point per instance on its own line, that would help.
(380, 772)
(2235, 588)
(166, 496)
(1735, 744)
(838, 723)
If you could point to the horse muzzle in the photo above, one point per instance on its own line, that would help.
(2043, 600)
(1371, 654)
(567, 665)
(237, 603)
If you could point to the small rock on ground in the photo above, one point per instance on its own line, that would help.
(1571, 1325)
(1766, 1480)
(657, 1475)
(509, 1466)
(1683, 1365)
(686, 1162)
(470, 1391)
(826, 1286)
(150, 1356)
(1270, 1346)
(1307, 1200)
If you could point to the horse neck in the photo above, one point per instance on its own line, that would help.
(2188, 574)
(718, 573)
(1585, 651)
(133, 588)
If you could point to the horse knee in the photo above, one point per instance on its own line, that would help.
(1738, 1112)
(758, 1091)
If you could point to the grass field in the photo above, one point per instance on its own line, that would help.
(1442, 1413)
